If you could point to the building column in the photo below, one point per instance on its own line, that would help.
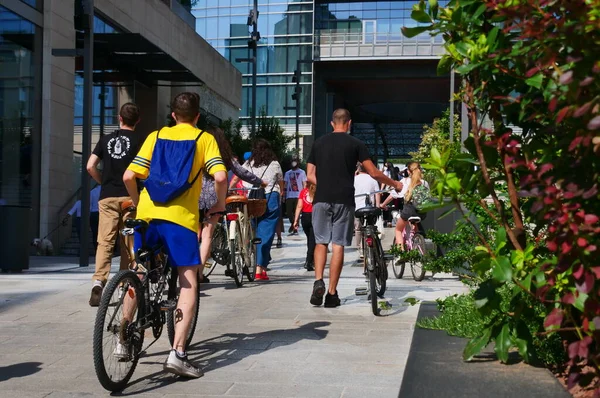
(58, 80)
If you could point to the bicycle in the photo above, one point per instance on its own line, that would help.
(413, 240)
(133, 301)
(242, 242)
(374, 257)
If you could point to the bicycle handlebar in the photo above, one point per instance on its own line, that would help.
(243, 189)
(374, 192)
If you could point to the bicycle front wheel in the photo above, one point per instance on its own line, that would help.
(173, 314)
(397, 265)
(235, 249)
(381, 269)
(250, 268)
(372, 271)
(117, 340)
(417, 267)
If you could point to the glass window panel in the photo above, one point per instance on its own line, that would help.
(224, 27)
(211, 27)
(372, 14)
(396, 13)
(384, 5)
(356, 6)
(383, 14)
(398, 5)
(261, 99)
(211, 3)
(17, 109)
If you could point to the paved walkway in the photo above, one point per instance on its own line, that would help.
(262, 340)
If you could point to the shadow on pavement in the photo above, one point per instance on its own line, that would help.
(223, 351)
(19, 370)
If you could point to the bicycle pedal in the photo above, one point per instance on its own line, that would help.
(229, 273)
(256, 241)
(168, 305)
(361, 291)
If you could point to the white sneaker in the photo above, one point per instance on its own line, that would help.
(121, 352)
(181, 366)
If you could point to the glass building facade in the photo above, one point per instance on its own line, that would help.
(20, 55)
(307, 30)
(111, 114)
(286, 28)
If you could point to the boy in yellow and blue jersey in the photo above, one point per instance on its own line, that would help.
(176, 222)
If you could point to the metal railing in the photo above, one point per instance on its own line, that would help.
(340, 45)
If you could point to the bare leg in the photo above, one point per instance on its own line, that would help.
(186, 304)
(206, 241)
(335, 268)
(320, 259)
(400, 226)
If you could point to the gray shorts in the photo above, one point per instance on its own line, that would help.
(333, 223)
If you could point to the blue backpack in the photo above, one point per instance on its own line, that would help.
(170, 168)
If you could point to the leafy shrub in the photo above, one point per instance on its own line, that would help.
(459, 316)
(533, 65)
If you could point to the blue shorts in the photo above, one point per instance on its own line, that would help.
(180, 243)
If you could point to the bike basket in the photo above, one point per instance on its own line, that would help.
(257, 207)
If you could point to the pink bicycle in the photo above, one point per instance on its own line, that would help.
(414, 243)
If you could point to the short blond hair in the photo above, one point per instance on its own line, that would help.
(340, 116)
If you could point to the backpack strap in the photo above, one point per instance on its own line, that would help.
(199, 171)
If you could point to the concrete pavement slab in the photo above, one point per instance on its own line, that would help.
(262, 340)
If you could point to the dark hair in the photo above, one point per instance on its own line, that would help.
(130, 113)
(186, 107)
(262, 153)
(340, 116)
(223, 144)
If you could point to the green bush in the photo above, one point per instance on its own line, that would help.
(460, 317)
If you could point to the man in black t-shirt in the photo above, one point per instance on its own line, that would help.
(116, 151)
(331, 166)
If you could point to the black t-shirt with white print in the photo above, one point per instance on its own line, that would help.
(117, 150)
(335, 156)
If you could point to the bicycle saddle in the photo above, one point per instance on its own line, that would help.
(128, 206)
(368, 211)
(132, 223)
(414, 220)
(236, 199)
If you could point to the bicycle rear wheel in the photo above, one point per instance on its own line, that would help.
(172, 315)
(397, 265)
(235, 250)
(218, 250)
(117, 340)
(371, 270)
(417, 268)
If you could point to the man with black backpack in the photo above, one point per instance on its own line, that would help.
(170, 162)
(116, 151)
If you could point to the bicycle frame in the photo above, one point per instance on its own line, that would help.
(240, 219)
(410, 231)
(151, 270)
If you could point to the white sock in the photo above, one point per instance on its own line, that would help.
(97, 283)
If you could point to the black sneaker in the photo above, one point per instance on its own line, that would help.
(279, 245)
(318, 292)
(332, 300)
(95, 296)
